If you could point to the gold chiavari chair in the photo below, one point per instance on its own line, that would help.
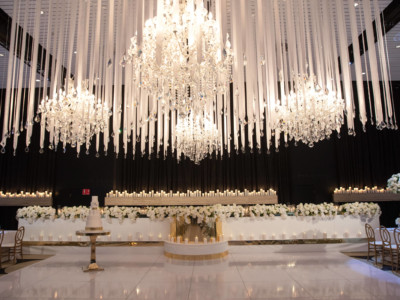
(387, 247)
(396, 253)
(17, 249)
(374, 246)
(1, 252)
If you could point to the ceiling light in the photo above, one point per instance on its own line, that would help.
(363, 73)
(311, 113)
(398, 46)
(37, 80)
(1, 54)
(195, 49)
(41, 12)
(75, 52)
(355, 4)
(73, 117)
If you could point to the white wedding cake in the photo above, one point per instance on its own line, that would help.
(93, 221)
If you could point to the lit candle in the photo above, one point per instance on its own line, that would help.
(186, 241)
(178, 239)
(205, 241)
(212, 239)
(196, 239)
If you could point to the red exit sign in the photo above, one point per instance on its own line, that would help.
(85, 191)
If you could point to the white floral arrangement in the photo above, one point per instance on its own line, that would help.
(262, 210)
(157, 212)
(74, 212)
(310, 209)
(121, 213)
(397, 221)
(393, 183)
(232, 211)
(360, 209)
(33, 213)
(203, 213)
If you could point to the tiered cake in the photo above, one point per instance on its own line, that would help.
(93, 222)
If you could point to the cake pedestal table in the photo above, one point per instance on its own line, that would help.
(93, 236)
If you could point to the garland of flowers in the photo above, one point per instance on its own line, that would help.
(393, 183)
(202, 213)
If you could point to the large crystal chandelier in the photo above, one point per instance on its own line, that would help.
(196, 137)
(73, 117)
(181, 60)
(309, 114)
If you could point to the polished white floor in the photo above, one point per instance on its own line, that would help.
(249, 272)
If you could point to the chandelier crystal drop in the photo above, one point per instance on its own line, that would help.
(74, 117)
(310, 114)
(181, 60)
(197, 137)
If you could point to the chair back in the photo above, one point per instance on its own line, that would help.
(1, 236)
(19, 236)
(385, 236)
(396, 235)
(370, 232)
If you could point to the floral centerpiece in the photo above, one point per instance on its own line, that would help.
(121, 213)
(358, 209)
(393, 183)
(397, 221)
(33, 213)
(74, 212)
(310, 209)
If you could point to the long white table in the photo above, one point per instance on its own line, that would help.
(144, 229)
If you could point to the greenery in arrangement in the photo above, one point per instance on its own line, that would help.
(393, 183)
(202, 214)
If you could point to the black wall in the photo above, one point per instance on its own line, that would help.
(299, 174)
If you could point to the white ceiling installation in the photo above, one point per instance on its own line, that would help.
(155, 64)
(393, 37)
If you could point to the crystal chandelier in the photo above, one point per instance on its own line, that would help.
(181, 60)
(73, 118)
(196, 137)
(310, 114)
